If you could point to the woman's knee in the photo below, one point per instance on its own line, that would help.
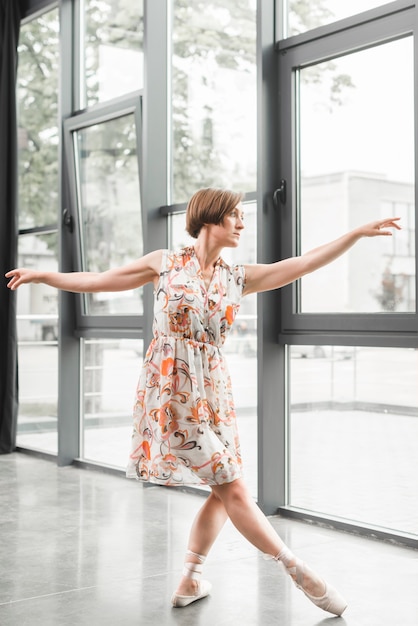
(234, 492)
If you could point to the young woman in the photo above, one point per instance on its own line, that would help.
(184, 418)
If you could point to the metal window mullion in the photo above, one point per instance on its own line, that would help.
(69, 345)
(81, 403)
(270, 380)
(80, 96)
(415, 22)
(82, 297)
(155, 138)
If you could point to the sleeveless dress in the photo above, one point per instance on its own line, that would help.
(185, 430)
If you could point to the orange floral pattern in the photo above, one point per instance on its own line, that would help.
(185, 430)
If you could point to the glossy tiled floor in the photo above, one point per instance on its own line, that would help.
(79, 547)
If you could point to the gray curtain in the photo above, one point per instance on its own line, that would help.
(10, 15)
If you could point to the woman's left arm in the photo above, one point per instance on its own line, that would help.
(264, 277)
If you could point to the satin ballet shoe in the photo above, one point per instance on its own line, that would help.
(193, 571)
(331, 601)
(203, 590)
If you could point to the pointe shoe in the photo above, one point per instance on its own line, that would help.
(203, 590)
(330, 601)
(193, 571)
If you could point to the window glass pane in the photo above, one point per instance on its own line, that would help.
(109, 376)
(213, 96)
(110, 207)
(302, 16)
(354, 434)
(357, 163)
(37, 324)
(241, 345)
(37, 101)
(113, 49)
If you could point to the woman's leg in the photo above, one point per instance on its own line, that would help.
(233, 500)
(251, 522)
(206, 527)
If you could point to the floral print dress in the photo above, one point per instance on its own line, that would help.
(185, 430)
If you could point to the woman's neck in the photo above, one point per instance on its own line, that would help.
(207, 255)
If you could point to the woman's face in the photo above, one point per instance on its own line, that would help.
(228, 232)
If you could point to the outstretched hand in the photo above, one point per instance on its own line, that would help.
(380, 227)
(20, 276)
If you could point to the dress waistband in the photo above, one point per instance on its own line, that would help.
(191, 342)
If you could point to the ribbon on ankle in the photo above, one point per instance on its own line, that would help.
(285, 556)
(201, 558)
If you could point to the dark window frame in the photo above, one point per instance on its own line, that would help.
(372, 28)
(88, 325)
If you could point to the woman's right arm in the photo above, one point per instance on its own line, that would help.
(130, 276)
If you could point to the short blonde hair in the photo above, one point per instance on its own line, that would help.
(209, 206)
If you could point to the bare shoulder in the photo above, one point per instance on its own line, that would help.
(252, 276)
(143, 270)
(150, 265)
(154, 260)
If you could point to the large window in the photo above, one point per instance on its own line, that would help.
(332, 368)
(213, 143)
(109, 206)
(213, 96)
(102, 165)
(103, 150)
(354, 434)
(348, 157)
(111, 33)
(356, 143)
(37, 98)
(110, 369)
(103, 158)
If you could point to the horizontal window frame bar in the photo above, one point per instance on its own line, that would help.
(96, 332)
(173, 209)
(39, 230)
(355, 338)
(346, 24)
(36, 8)
(361, 37)
(361, 529)
(104, 111)
(112, 321)
(373, 324)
